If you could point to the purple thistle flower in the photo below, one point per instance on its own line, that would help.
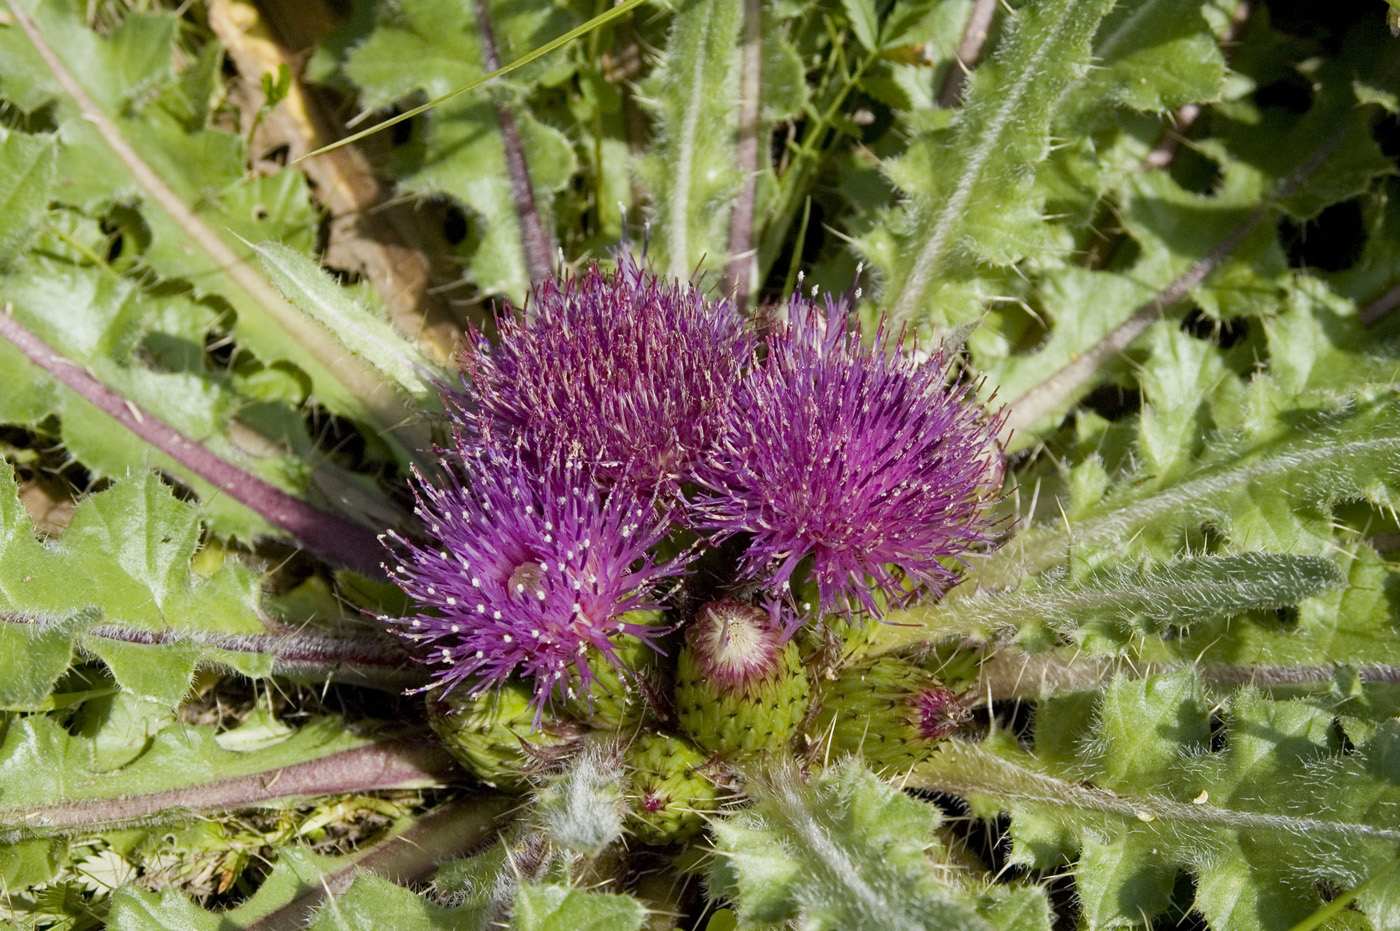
(625, 372)
(865, 460)
(525, 570)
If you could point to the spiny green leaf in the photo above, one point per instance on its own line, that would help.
(1150, 598)
(983, 202)
(52, 780)
(845, 851)
(1288, 459)
(363, 333)
(555, 907)
(1138, 770)
(691, 168)
(1152, 55)
(27, 174)
(460, 151)
(125, 561)
(188, 182)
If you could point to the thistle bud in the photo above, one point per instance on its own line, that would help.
(740, 686)
(889, 711)
(494, 733)
(621, 687)
(670, 789)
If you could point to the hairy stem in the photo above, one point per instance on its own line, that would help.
(377, 397)
(410, 855)
(1010, 675)
(537, 243)
(974, 37)
(372, 661)
(743, 263)
(963, 768)
(324, 533)
(393, 764)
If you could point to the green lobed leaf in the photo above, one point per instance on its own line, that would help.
(27, 175)
(1263, 797)
(847, 850)
(690, 170)
(1149, 599)
(123, 561)
(982, 201)
(369, 336)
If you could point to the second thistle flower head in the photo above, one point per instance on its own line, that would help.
(863, 460)
(624, 371)
(528, 567)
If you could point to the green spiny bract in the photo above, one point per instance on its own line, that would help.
(616, 698)
(739, 687)
(495, 734)
(671, 788)
(887, 710)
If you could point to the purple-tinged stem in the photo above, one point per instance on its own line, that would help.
(537, 243)
(405, 763)
(1376, 310)
(412, 855)
(743, 260)
(974, 37)
(324, 533)
(375, 662)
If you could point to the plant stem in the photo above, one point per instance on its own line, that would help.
(392, 764)
(979, 25)
(743, 264)
(538, 245)
(964, 769)
(324, 533)
(1010, 675)
(378, 662)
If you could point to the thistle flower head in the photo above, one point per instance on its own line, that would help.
(526, 567)
(626, 372)
(865, 460)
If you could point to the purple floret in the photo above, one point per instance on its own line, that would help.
(528, 566)
(867, 461)
(623, 371)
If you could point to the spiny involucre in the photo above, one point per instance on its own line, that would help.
(627, 372)
(527, 565)
(876, 465)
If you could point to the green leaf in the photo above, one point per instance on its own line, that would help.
(1263, 797)
(982, 202)
(1154, 55)
(1149, 599)
(27, 175)
(124, 561)
(845, 851)
(52, 781)
(1287, 459)
(369, 336)
(690, 170)
(460, 151)
(865, 22)
(189, 187)
(554, 907)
